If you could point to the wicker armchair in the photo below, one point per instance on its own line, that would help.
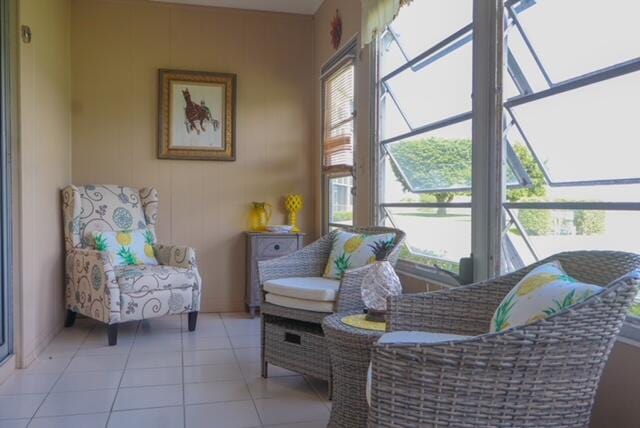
(307, 353)
(541, 374)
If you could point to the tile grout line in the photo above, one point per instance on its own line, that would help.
(61, 373)
(124, 370)
(244, 378)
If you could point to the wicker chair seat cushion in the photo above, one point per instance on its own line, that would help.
(307, 288)
(543, 292)
(421, 337)
(302, 304)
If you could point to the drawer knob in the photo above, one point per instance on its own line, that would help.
(277, 246)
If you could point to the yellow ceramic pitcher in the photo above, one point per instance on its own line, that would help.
(259, 216)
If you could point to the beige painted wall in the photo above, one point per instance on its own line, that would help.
(117, 47)
(44, 162)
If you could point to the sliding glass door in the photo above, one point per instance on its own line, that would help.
(5, 186)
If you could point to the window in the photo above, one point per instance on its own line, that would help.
(570, 132)
(570, 111)
(424, 129)
(338, 136)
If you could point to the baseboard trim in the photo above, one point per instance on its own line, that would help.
(41, 345)
(7, 367)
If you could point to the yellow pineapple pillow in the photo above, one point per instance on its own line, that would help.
(543, 292)
(354, 250)
(129, 247)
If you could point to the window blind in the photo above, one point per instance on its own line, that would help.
(339, 119)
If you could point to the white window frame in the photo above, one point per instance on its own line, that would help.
(348, 53)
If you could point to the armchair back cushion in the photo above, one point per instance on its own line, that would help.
(99, 208)
(354, 250)
(543, 292)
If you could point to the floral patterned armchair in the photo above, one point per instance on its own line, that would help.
(114, 294)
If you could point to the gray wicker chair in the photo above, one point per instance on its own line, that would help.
(542, 374)
(293, 338)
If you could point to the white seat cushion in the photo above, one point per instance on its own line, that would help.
(311, 288)
(419, 337)
(303, 304)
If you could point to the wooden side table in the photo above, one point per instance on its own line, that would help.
(265, 246)
(350, 349)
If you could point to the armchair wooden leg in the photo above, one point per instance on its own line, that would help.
(112, 332)
(71, 318)
(193, 318)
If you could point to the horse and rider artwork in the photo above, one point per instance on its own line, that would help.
(196, 115)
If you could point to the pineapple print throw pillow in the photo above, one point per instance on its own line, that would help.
(128, 247)
(354, 250)
(543, 292)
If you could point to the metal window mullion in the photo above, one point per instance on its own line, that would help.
(387, 90)
(606, 73)
(395, 39)
(443, 52)
(426, 205)
(517, 75)
(487, 175)
(516, 165)
(461, 32)
(527, 42)
(589, 206)
(525, 236)
(452, 120)
(6, 271)
(541, 165)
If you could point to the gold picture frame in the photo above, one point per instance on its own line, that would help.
(196, 115)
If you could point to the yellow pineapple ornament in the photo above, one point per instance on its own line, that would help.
(293, 203)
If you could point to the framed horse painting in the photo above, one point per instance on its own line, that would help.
(196, 115)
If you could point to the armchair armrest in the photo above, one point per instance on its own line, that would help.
(350, 292)
(465, 310)
(309, 261)
(176, 255)
(91, 285)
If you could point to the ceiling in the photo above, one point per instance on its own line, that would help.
(304, 7)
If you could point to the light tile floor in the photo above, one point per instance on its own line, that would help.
(161, 375)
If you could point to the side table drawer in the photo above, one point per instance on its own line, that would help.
(265, 246)
(270, 247)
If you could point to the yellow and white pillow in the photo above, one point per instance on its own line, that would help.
(543, 292)
(129, 247)
(354, 250)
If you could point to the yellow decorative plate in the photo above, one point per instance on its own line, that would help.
(359, 321)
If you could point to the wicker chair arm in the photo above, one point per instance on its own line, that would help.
(517, 377)
(176, 255)
(309, 261)
(350, 293)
